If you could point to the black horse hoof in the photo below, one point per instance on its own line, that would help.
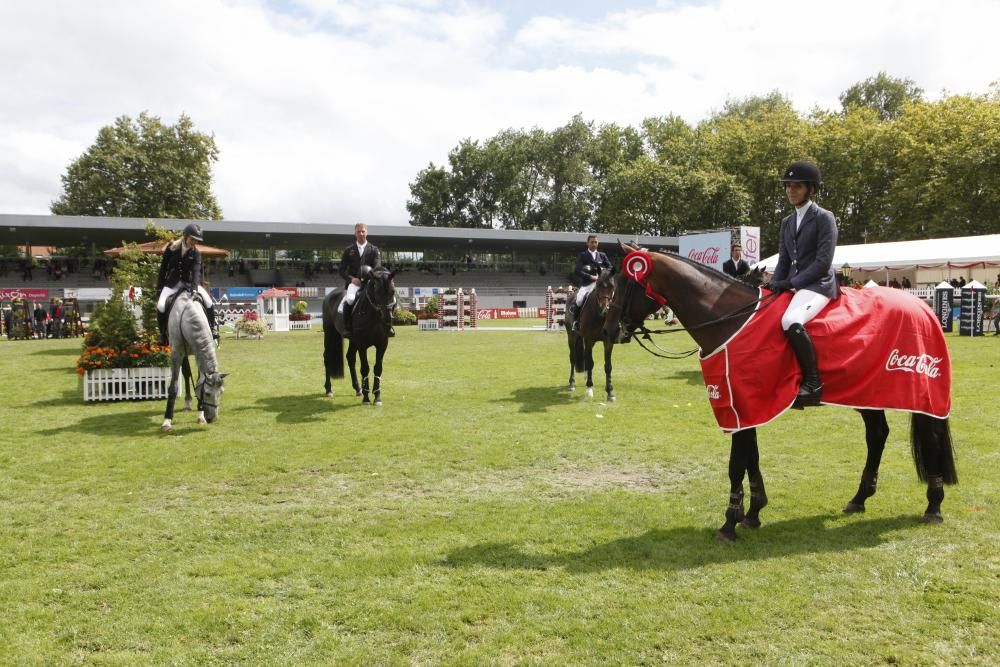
(750, 523)
(725, 536)
(933, 518)
(854, 508)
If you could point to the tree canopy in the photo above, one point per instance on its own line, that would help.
(143, 168)
(894, 167)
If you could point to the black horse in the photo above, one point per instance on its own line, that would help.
(369, 327)
(713, 307)
(591, 330)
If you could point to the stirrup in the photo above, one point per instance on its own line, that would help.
(808, 395)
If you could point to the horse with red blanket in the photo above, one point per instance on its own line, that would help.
(877, 349)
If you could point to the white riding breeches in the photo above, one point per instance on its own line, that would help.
(161, 304)
(352, 293)
(582, 293)
(805, 305)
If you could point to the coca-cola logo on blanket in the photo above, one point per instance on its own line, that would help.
(924, 364)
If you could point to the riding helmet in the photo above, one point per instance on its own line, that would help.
(194, 231)
(802, 172)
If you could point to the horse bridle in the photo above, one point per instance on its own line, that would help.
(382, 310)
(630, 328)
(199, 389)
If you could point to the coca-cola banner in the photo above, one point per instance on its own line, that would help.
(750, 240)
(30, 293)
(708, 249)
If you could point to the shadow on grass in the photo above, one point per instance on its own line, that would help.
(691, 377)
(688, 547)
(133, 424)
(540, 399)
(58, 352)
(70, 397)
(297, 408)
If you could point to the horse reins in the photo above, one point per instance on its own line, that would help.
(762, 302)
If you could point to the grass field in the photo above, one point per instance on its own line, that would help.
(483, 515)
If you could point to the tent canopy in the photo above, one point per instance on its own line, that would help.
(156, 248)
(960, 252)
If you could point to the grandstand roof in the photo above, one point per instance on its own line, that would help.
(54, 230)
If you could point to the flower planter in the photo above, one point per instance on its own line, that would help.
(299, 324)
(126, 384)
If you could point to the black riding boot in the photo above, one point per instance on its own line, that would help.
(348, 322)
(161, 324)
(575, 310)
(811, 388)
(213, 323)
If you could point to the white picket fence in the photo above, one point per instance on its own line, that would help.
(300, 324)
(125, 384)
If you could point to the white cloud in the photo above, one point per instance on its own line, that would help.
(324, 111)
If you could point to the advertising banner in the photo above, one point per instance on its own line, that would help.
(973, 299)
(93, 293)
(244, 293)
(750, 240)
(29, 293)
(708, 249)
(944, 302)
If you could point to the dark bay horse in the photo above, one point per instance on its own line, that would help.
(581, 343)
(713, 307)
(188, 331)
(370, 324)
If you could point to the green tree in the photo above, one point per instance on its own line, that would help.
(143, 169)
(883, 94)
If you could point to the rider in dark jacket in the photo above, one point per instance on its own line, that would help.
(807, 240)
(180, 269)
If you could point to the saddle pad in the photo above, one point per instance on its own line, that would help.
(878, 348)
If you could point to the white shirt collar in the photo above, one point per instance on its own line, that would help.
(800, 212)
(361, 248)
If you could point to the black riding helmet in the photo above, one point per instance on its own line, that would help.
(194, 231)
(802, 172)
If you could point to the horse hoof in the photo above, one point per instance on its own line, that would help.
(378, 404)
(166, 427)
(933, 519)
(750, 523)
(611, 398)
(357, 392)
(186, 408)
(854, 508)
(724, 536)
(329, 394)
(365, 400)
(590, 393)
(202, 420)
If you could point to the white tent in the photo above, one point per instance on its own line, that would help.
(961, 252)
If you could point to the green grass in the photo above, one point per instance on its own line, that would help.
(483, 515)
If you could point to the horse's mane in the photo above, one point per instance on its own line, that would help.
(709, 271)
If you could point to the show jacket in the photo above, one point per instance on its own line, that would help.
(806, 257)
(586, 266)
(176, 268)
(729, 267)
(352, 261)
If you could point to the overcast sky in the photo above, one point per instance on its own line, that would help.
(324, 111)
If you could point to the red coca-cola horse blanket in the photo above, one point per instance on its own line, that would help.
(878, 348)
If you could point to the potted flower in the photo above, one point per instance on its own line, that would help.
(299, 318)
(250, 326)
(121, 359)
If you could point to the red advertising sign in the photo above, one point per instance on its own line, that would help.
(29, 293)
(497, 313)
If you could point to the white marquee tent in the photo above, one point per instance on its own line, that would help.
(962, 254)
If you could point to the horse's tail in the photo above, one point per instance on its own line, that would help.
(333, 342)
(579, 351)
(930, 441)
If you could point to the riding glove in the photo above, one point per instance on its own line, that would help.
(779, 285)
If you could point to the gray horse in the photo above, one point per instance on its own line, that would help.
(189, 332)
